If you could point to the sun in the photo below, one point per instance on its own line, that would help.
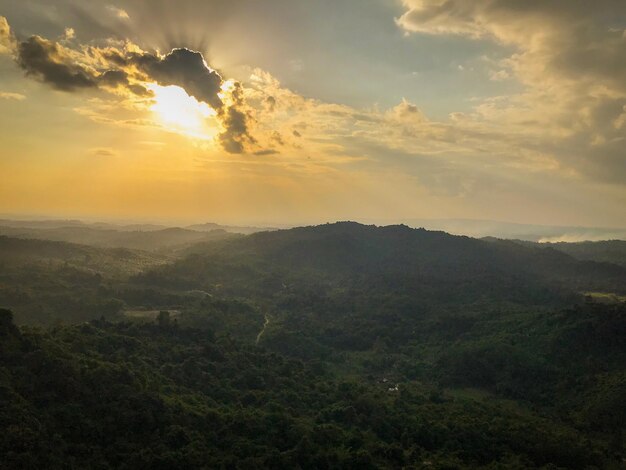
(181, 113)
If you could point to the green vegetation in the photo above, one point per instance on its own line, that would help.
(125, 395)
(339, 346)
(608, 251)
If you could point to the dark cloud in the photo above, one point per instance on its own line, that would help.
(114, 78)
(53, 64)
(44, 60)
(120, 79)
(266, 152)
(236, 135)
(139, 90)
(115, 57)
(235, 121)
(186, 69)
(50, 63)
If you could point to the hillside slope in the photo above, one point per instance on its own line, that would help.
(48, 281)
(414, 262)
(150, 240)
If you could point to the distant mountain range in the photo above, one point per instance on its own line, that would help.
(59, 223)
(209, 226)
(470, 227)
(141, 237)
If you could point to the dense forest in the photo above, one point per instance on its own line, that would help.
(610, 251)
(337, 346)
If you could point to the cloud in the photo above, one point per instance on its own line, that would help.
(235, 120)
(118, 12)
(406, 110)
(498, 76)
(114, 78)
(233, 138)
(103, 152)
(47, 61)
(69, 34)
(11, 96)
(186, 69)
(571, 40)
(571, 60)
(266, 152)
(7, 41)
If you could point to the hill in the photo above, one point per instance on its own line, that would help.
(610, 251)
(46, 281)
(150, 240)
(16, 252)
(415, 262)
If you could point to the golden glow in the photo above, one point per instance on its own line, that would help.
(181, 113)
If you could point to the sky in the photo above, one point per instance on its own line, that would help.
(300, 111)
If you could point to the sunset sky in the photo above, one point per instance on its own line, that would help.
(294, 111)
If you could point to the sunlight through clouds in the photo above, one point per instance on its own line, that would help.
(179, 112)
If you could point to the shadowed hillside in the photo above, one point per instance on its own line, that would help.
(396, 258)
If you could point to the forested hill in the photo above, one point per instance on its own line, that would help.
(608, 251)
(33, 255)
(392, 258)
(612, 251)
